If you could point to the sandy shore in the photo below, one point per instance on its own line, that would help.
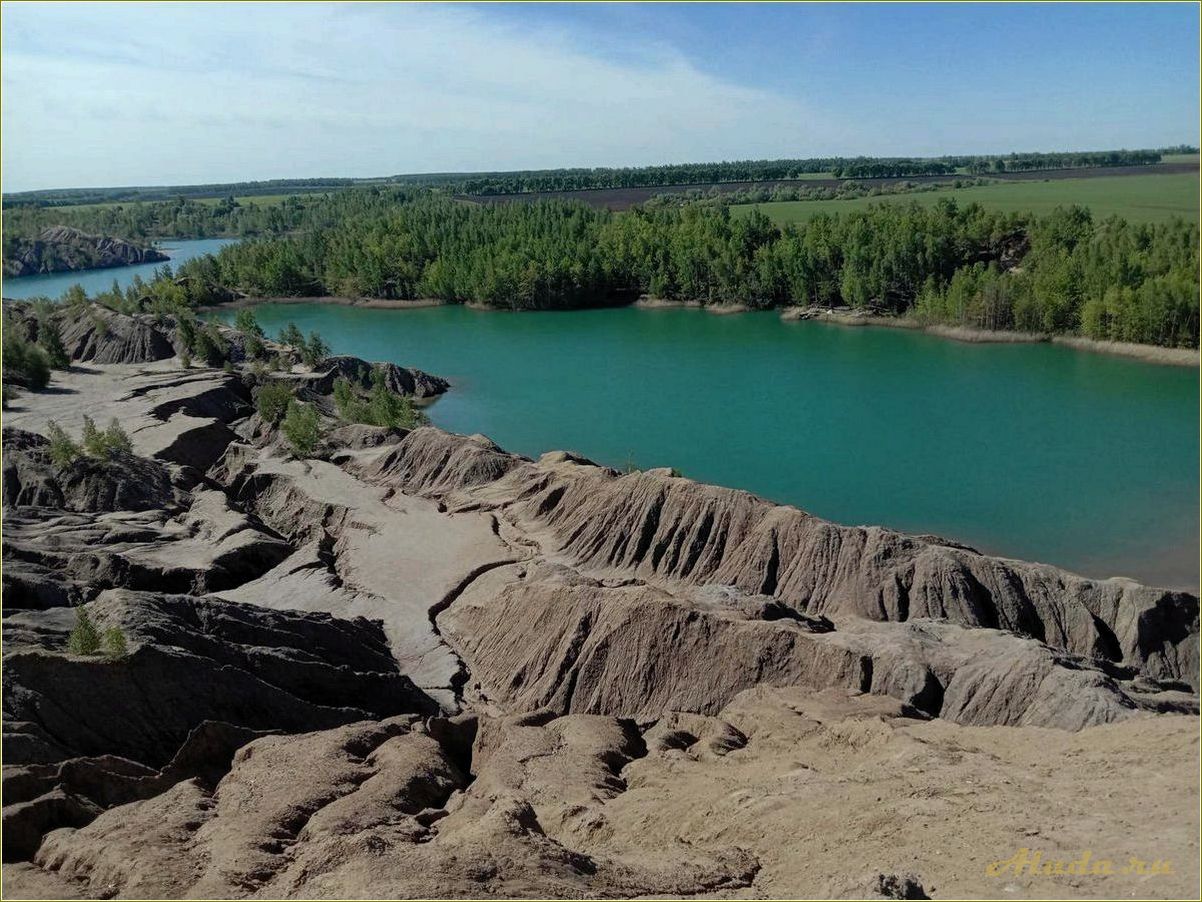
(1149, 353)
(846, 317)
(646, 303)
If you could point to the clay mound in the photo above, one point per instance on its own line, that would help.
(432, 462)
(558, 641)
(123, 482)
(669, 528)
(100, 335)
(398, 379)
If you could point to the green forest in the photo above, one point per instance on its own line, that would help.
(946, 263)
(177, 218)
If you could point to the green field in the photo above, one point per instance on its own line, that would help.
(1138, 198)
(250, 200)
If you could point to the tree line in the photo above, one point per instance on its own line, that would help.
(954, 263)
(781, 170)
(576, 179)
(1027, 162)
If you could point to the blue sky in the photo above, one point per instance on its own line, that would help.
(98, 94)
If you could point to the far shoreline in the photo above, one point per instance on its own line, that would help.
(1188, 357)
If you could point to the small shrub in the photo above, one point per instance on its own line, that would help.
(113, 643)
(314, 350)
(63, 449)
(272, 400)
(210, 345)
(75, 296)
(84, 638)
(116, 439)
(92, 438)
(252, 342)
(50, 339)
(302, 427)
(185, 360)
(381, 407)
(291, 335)
(185, 331)
(245, 322)
(107, 443)
(254, 347)
(25, 363)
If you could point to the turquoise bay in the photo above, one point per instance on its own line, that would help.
(1039, 452)
(52, 285)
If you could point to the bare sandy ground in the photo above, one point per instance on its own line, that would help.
(826, 786)
(128, 393)
(397, 557)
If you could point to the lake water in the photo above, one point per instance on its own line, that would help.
(1039, 452)
(53, 285)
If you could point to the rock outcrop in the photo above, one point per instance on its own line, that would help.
(399, 379)
(61, 248)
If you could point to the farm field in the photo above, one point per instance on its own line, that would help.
(249, 200)
(1141, 198)
(625, 198)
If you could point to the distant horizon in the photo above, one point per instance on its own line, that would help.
(480, 172)
(154, 95)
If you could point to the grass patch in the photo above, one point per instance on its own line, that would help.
(1137, 198)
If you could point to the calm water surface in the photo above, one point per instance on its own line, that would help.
(52, 285)
(1086, 461)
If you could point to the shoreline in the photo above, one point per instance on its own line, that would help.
(1189, 357)
(333, 300)
(1156, 354)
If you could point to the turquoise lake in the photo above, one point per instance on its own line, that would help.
(52, 285)
(1086, 461)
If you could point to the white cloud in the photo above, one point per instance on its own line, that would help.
(102, 95)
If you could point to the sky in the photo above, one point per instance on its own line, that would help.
(147, 94)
